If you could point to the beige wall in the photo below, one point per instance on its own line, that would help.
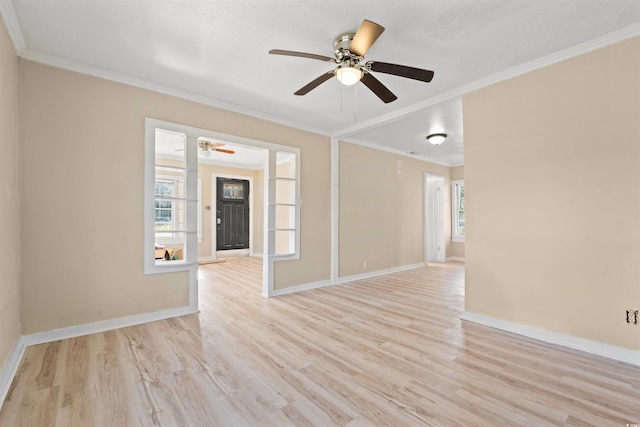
(315, 216)
(457, 248)
(83, 236)
(382, 209)
(9, 223)
(205, 172)
(552, 168)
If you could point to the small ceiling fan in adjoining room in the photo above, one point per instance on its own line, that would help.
(349, 52)
(205, 148)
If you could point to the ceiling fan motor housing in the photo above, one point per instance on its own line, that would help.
(341, 48)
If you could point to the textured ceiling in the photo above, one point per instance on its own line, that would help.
(217, 50)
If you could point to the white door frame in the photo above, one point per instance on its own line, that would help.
(439, 225)
(214, 206)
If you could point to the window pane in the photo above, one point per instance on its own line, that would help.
(232, 191)
(285, 192)
(170, 215)
(285, 242)
(170, 251)
(285, 165)
(164, 187)
(285, 216)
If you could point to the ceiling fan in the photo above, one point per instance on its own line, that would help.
(206, 147)
(349, 51)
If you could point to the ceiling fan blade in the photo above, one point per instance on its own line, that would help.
(302, 55)
(210, 144)
(378, 88)
(401, 70)
(314, 84)
(366, 35)
(223, 150)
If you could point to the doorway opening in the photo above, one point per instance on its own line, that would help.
(180, 212)
(434, 242)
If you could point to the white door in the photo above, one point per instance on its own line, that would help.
(434, 214)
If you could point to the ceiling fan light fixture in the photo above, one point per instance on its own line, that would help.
(348, 75)
(205, 153)
(437, 138)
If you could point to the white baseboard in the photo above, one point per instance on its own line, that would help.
(300, 288)
(256, 254)
(376, 273)
(206, 259)
(455, 258)
(10, 368)
(345, 279)
(622, 354)
(106, 325)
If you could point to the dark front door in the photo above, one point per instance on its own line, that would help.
(232, 214)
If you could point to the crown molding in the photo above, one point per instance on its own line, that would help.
(90, 70)
(394, 151)
(577, 50)
(8, 14)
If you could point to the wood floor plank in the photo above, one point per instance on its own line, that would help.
(389, 350)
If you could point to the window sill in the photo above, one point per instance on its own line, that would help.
(457, 239)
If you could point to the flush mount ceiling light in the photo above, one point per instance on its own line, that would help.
(436, 138)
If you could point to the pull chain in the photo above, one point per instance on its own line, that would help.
(355, 102)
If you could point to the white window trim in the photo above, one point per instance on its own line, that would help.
(454, 211)
(190, 249)
(169, 240)
(199, 210)
(271, 203)
(190, 262)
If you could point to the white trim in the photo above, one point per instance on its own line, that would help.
(300, 288)
(440, 216)
(15, 357)
(455, 258)
(105, 325)
(13, 27)
(343, 280)
(454, 211)
(554, 58)
(257, 255)
(335, 208)
(622, 354)
(90, 70)
(377, 273)
(191, 174)
(12, 24)
(394, 151)
(10, 368)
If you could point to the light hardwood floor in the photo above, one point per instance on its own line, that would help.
(385, 351)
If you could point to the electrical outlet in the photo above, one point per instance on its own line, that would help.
(632, 317)
(364, 265)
